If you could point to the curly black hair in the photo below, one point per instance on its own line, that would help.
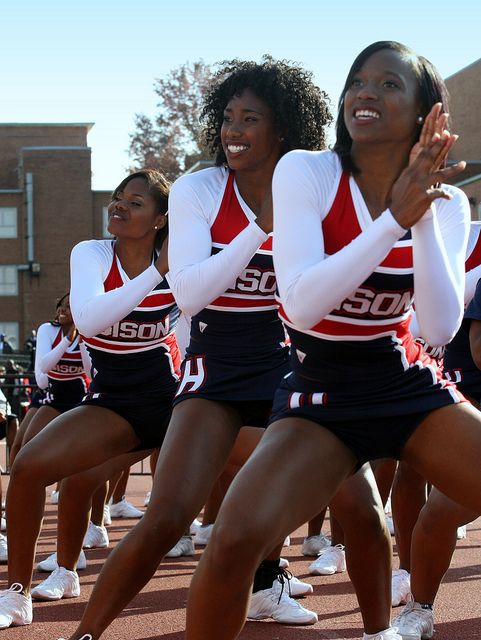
(431, 89)
(301, 110)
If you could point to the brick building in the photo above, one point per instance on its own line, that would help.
(46, 206)
(465, 105)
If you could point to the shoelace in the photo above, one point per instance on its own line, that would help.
(282, 577)
(16, 587)
(337, 547)
(86, 636)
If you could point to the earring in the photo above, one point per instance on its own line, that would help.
(156, 227)
(419, 119)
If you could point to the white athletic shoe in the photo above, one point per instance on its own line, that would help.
(283, 563)
(50, 564)
(294, 587)
(124, 509)
(96, 537)
(3, 549)
(15, 608)
(388, 634)
(313, 545)
(389, 523)
(86, 636)
(185, 547)
(275, 603)
(203, 534)
(287, 541)
(414, 622)
(54, 497)
(61, 583)
(400, 587)
(461, 532)
(195, 526)
(107, 516)
(331, 560)
(147, 498)
(3, 524)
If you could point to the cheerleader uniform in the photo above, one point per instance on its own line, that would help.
(128, 328)
(61, 361)
(237, 351)
(358, 371)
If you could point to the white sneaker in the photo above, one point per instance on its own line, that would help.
(96, 537)
(124, 509)
(331, 560)
(15, 608)
(276, 603)
(294, 587)
(54, 497)
(414, 622)
(50, 564)
(86, 636)
(283, 563)
(147, 498)
(3, 524)
(388, 634)
(389, 523)
(313, 545)
(3, 549)
(461, 532)
(203, 534)
(195, 526)
(287, 541)
(107, 516)
(185, 547)
(62, 583)
(400, 587)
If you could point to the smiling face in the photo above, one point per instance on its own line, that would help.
(249, 138)
(382, 102)
(133, 211)
(63, 313)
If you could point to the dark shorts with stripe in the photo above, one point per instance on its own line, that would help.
(37, 399)
(147, 413)
(65, 395)
(246, 385)
(379, 430)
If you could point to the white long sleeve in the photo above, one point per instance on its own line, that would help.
(195, 275)
(300, 203)
(439, 249)
(45, 357)
(311, 285)
(93, 309)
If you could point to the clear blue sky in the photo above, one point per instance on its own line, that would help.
(96, 60)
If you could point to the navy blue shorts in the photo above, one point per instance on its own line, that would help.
(147, 413)
(238, 380)
(369, 436)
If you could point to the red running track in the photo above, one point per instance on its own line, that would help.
(158, 612)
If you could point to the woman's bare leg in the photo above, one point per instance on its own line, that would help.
(59, 450)
(74, 505)
(198, 442)
(409, 496)
(219, 611)
(359, 510)
(434, 542)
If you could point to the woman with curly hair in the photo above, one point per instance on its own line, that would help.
(359, 232)
(221, 273)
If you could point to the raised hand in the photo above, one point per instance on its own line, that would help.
(419, 184)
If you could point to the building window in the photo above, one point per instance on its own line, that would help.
(8, 222)
(105, 221)
(8, 280)
(10, 331)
